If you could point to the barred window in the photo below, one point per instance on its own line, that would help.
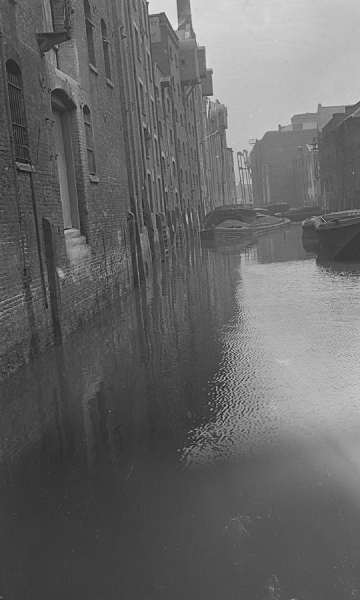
(17, 111)
(89, 33)
(89, 141)
(106, 49)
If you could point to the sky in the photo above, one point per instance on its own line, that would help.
(275, 58)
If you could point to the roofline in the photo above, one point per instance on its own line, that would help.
(164, 21)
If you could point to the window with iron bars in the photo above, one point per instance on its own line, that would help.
(17, 111)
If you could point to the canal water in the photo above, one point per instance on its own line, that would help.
(200, 441)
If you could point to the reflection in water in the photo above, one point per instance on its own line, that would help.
(200, 441)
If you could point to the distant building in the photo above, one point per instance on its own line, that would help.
(282, 172)
(272, 164)
(307, 177)
(339, 160)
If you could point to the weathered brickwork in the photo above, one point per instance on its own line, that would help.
(104, 160)
(93, 260)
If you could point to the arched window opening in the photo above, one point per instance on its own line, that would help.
(106, 49)
(17, 111)
(174, 168)
(89, 141)
(89, 33)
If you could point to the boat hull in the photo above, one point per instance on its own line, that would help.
(240, 232)
(340, 240)
(298, 215)
(309, 231)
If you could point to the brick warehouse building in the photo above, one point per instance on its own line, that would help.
(106, 157)
(65, 195)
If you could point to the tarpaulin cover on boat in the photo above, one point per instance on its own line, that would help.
(229, 212)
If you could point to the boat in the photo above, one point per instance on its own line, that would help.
(296, 215)
(242, 230)
(221, 214)
(280, 207)
(339, 238)
(309, 231)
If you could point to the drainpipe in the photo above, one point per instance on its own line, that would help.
(38, 239)
(12, 143)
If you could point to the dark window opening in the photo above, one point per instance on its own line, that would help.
(147, 139)
(137, 44)
(89, 33)
(17, 111)
(106, 49)
(89, 141)
(142, 98)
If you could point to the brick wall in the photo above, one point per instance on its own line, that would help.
(97, 269)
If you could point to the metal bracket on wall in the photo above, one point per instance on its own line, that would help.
(189, 88)
(50, 39)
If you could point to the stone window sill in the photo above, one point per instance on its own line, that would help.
(93, 69)
(94, 179)
(109, 83)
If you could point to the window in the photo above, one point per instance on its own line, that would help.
(163, 164)
(137, 43)
(160, 128)
(149, 66)
(89, 140)
(173, 168)
(153, 112)
(89, 33)
(147, 138)
(176, 115)
(184, 149)
(157, 151)
(150, 192)
(171, 52)
(142, 97)
(106, 49)
(171, 136)
(168, 105)
(182, 175)
(181, 120)
(179, 145)
(17, 111)
(186, 177)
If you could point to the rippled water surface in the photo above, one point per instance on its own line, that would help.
(200, 441)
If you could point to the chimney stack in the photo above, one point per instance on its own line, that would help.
(184, 17)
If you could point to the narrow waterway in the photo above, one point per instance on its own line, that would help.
(200, 441)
